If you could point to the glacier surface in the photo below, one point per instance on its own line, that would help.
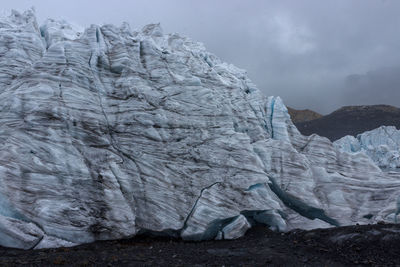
(382, 145)
(107, 132)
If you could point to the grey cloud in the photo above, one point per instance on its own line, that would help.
(379, 86)
(301, 50)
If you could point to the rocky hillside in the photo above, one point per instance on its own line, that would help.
(303, 115)
(351, 120)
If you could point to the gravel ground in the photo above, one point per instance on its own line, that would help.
(368, 245)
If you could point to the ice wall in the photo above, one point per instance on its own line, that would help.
(109, 132)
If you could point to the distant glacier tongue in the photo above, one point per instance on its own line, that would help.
(382, 145)
(107, 132)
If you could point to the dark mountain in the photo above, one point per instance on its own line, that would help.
(303, 115)
(351, 120)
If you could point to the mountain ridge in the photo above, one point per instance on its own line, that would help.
(302, 115)
(351, 120)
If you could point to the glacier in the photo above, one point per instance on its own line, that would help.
(108, 132)
(382, 145)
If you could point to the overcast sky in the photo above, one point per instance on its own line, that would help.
(317, 54)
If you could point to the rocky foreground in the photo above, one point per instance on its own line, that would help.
(368, 245)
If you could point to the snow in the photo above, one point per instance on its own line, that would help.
(106, 132)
